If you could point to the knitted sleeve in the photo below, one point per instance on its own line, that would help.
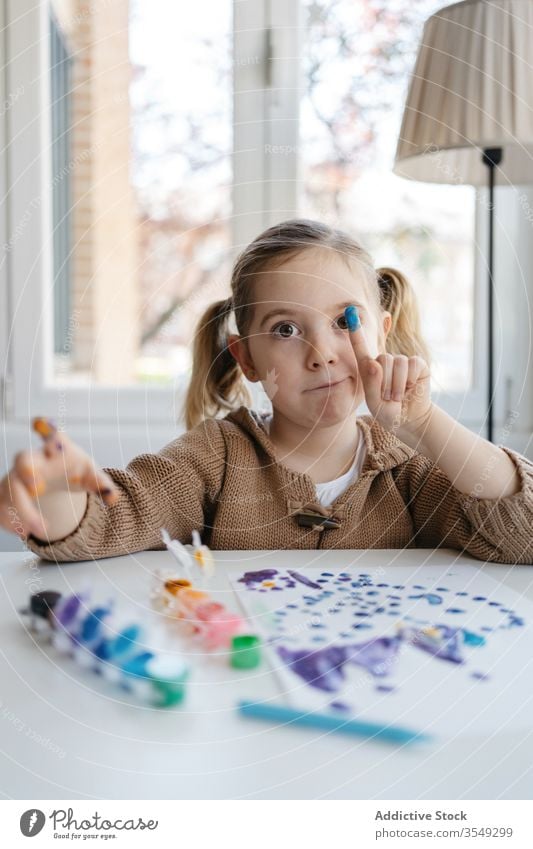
(498, 530)
(174, 488)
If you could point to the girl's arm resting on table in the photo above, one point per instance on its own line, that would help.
(169, 489)
(470, 462)
(466, 493)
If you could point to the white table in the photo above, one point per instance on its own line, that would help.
(66, 734)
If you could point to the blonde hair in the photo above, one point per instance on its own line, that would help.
(217, 384)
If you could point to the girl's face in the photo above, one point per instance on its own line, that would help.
(298, 342)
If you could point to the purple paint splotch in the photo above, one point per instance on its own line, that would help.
(385, 688)
(251, 578)
(339, 706)
(324, 668)
(445, 645)
(303, 579)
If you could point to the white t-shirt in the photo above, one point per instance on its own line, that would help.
(328, 491)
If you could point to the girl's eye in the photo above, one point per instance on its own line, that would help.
(342, 318)
(283, 326)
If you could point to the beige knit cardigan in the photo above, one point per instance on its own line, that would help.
(222, 479)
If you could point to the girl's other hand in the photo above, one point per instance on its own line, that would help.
(59, 465)
(397, 388)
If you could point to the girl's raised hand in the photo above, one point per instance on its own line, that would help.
(60, 465)
(397, 388)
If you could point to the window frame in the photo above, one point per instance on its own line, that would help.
(5, 375)
(267, 48)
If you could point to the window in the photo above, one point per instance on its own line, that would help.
(149, 172)
(60, 85)
(171, 137)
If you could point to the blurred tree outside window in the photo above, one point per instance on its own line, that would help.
(357, 58)
(149, 167)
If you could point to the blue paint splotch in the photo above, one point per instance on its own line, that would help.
(472, 639)
(515, 620)
(433, 598)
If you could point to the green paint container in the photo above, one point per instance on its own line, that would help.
(245, 651)
(169, 693)
(168, 676)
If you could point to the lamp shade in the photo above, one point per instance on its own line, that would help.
(471, 89)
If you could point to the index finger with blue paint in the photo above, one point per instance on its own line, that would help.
(369, 369)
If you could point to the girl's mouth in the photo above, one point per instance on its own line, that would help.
(327, 386)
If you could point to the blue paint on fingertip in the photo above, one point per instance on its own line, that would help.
(352, 318)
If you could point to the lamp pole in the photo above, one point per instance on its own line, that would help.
(492, 156)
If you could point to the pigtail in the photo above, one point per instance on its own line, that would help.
(398, 298)
(216, 381)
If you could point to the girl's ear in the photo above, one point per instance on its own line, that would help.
(239, 350)
(387, 323)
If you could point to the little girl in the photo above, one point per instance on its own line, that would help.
(323, 331)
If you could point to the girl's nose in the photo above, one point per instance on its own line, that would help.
(320, 354)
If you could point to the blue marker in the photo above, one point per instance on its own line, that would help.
(352, 318)
(326, 722)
